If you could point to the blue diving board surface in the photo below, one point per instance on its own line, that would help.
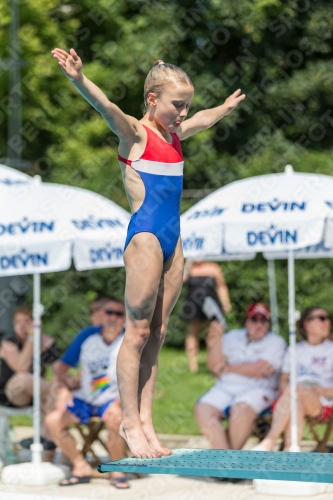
(286, 466)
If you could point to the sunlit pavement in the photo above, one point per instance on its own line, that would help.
(157, 487)
(153, 487)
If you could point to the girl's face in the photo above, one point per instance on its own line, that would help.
(318, 325)
(171, 108)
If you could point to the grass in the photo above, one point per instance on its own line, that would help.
(176, 393)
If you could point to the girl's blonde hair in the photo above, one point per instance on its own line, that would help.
(160, 75)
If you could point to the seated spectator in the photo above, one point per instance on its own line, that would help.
(96, 319)
(247, 364)
(16, 378)
(96, 308)
(314, 365)
(95, 349)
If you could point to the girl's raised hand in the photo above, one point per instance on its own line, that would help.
(71, 63)
(233, 100)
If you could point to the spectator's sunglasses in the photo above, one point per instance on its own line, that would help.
(109, 312)
(257, 319)
(321, 317)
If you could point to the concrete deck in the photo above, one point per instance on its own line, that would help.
(156, 487)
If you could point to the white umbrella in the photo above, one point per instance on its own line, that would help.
(275, 212)
(42, 227)
(13, 178)
(265, 213)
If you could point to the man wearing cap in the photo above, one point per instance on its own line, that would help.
(247, 363)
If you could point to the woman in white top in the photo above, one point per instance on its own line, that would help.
(314, 365)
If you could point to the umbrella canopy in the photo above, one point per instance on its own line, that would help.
(266, 213)
(10, 177)
(43, 226)
(324, 249)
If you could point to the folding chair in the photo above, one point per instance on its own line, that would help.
(91, 433)
(321, 442)
(264, 421)
(262, 424)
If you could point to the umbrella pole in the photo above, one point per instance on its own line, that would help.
(292, 343)
(272, 295)
(34, 473)
(36, 448)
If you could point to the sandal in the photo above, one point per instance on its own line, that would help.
(78, 480)
(116, 481)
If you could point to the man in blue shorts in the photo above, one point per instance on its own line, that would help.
(95, 350)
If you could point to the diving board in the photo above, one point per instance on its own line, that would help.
(309, 467)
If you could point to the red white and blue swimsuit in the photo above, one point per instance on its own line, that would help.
(161, 170)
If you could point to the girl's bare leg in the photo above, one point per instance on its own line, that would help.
(144, 267)
(192, 344)
(169, 290)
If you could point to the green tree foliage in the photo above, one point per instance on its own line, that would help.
(279, 53)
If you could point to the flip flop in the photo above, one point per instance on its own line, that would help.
(116, 481)
(79, 480)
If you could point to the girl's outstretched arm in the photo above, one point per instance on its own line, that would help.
(208, 117)
(124, 126)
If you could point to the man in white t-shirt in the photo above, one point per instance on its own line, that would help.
(247, 363)
(95, 350)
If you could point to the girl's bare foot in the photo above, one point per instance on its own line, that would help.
(137, 443)
(154, 442)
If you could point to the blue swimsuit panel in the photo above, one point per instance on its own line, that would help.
(161, 170)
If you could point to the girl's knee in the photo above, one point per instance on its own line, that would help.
(137, 335)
